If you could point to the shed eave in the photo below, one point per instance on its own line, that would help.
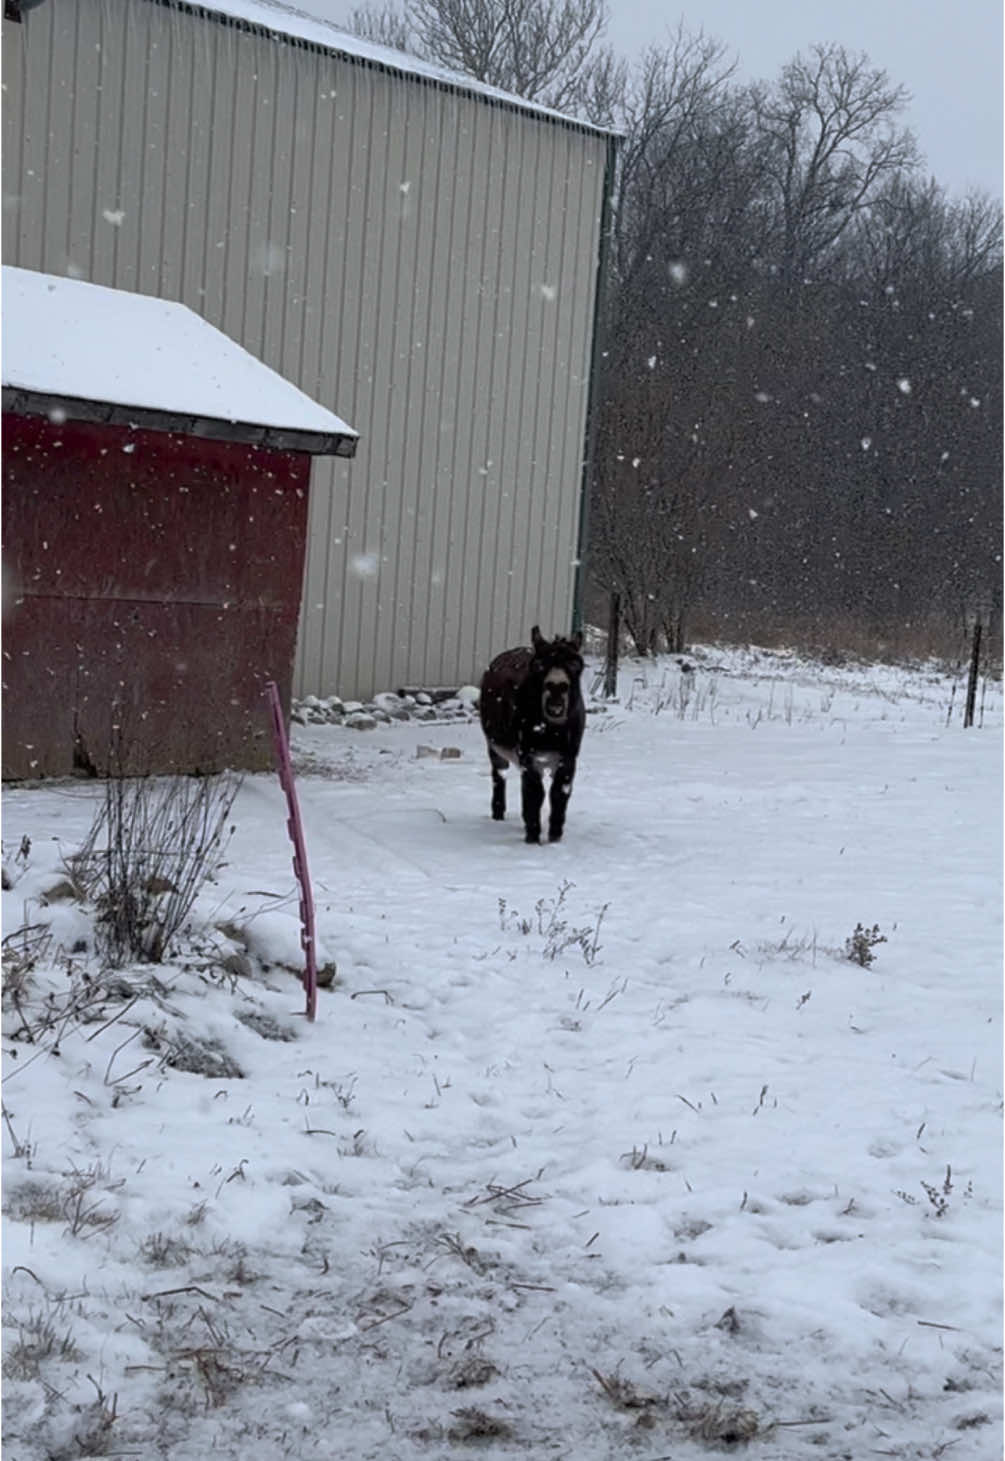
(22, 402)
(291, 25)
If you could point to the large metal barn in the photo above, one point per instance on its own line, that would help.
(417, 248)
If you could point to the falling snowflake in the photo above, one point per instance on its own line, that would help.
(115, 216)
(363, 565)
(269, 259)
(904, 386)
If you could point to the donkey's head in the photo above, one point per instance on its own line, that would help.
(556, 667)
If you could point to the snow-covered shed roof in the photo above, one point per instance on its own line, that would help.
(310, 21)
(99, 354)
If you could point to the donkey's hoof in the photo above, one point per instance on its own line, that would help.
(534, 838)
(498, 816)
(555, 836)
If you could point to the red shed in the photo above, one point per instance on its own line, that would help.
(155, 500)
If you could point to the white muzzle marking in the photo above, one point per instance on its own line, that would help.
(555, 697)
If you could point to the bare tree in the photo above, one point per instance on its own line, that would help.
(674, 111)
(830, 144)
(915, 238)
(548, 51)
(384, 24)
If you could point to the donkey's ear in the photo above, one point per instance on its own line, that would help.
(536, 638)
(577, 640)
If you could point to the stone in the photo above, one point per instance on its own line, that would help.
(424, 752)
(60, 891)
(450, 753)
(327, 974)
(238, 963)
(359, 720)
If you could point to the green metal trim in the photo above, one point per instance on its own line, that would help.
(596, 354)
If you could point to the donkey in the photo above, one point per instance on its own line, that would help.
(533, 716)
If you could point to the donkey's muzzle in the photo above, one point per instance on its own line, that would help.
(555, 696)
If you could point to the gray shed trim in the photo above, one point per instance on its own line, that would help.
(419, 255)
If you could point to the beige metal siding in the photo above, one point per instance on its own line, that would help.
(420, 259)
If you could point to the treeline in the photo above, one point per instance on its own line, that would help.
(800, 420)
(798, 424)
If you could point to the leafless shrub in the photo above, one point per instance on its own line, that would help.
(474, 1424)
(625, 1394)
(47, 1020)
(84, 1213)
(91, 1436)
(38, 1338)
(162, 1251)
(725, 1424)
(152, 845)
(14, 866)
(860, 944)
(792, 946)
(549, 922)
(21, 951)
(937, 1194)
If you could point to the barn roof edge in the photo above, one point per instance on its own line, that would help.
(18, 401)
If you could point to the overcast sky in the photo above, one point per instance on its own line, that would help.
(947, 54)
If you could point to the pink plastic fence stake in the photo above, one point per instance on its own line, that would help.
(295, 828)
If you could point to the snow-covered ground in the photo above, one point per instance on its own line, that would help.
(595, 1150)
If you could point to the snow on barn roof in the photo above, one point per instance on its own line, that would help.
(102, 354)
(309, 21)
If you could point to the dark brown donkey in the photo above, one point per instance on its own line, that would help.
(533, 717)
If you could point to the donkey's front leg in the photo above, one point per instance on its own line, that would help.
(532, 789)
(561, 790)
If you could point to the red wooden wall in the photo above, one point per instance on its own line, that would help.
(152, 581)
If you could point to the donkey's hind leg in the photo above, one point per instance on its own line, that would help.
(499, 764)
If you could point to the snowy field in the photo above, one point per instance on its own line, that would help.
(602, 1149)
